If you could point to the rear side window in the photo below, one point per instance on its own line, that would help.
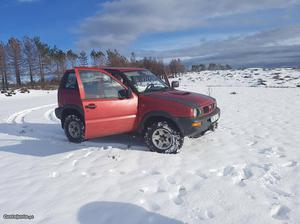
(99, 86)
(70, 81)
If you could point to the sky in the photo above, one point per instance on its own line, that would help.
(236, 32)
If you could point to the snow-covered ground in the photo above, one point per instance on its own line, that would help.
(252, 77)
(245, 172)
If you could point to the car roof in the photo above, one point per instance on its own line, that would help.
(120, 69)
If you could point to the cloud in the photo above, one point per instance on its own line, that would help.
(119, 23)
(276, 46)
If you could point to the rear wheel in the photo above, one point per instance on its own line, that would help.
(163, 137)
(74, 128)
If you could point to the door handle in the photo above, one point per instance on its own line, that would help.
(91, 106)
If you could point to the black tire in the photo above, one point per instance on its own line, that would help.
(171, 143)
(77, 136)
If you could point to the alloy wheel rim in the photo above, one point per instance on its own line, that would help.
(74, 129)
(162, 139)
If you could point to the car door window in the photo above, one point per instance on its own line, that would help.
(116, 75)
(98, 85)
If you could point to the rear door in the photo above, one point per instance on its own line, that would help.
(105, 112)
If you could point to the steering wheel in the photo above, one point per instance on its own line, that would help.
(149, 86)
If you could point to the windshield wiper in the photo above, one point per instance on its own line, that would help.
(151, 87)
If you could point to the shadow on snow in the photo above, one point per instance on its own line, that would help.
(37, 139)
(118, 212)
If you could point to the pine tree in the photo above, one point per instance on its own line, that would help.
(133, 60)
(83, 59)
(58, 57)
(30, 54)
(72, 58)
(42, 57)
(3, 66)
(15, 58)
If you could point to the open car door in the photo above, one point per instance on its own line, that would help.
(106, 110)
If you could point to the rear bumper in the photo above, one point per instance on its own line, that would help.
(58, 112)
(186, 128)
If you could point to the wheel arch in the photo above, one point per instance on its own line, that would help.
(71, 110)
(154, 116)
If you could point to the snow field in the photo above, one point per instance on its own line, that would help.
(245, 172)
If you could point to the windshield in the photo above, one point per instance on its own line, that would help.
(145, 81)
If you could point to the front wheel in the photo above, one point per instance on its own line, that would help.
(163, 137)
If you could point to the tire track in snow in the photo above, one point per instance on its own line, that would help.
(18, 117)
(50, 115)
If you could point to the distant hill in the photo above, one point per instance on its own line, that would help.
(243, 62)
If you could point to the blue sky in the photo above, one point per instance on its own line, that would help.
(232, 31)
(53, 20)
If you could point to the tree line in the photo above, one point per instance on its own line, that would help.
(34, 62)
(210, 67)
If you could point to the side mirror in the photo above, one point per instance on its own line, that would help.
(125, 93)
(175, 84)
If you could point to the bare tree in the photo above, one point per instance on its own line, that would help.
(15, 57)
(154, 65)
(114, 58)
(3, 66)
(72, 58)
(176, 66)
(30, 54)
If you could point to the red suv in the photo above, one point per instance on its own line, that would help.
(96, 102)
